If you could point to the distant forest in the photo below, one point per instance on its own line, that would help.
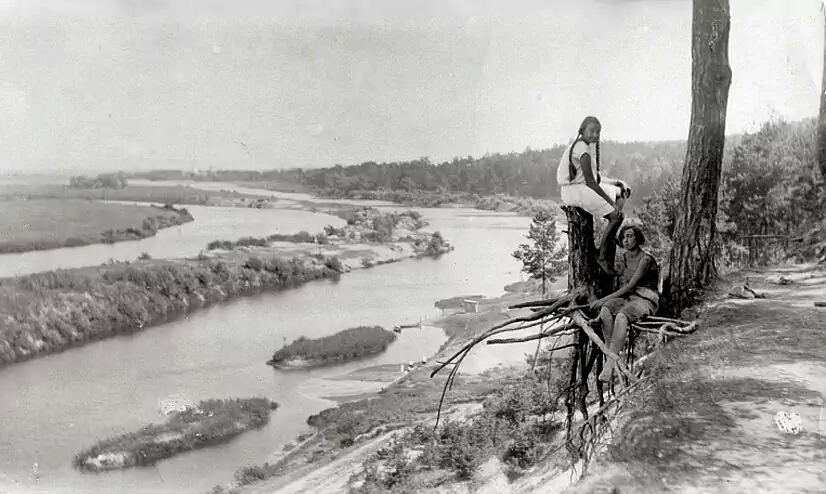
(531, 173)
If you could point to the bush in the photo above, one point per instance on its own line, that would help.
(334, 263)
(81, 305)
(515, 404)
(210, 422)
(254, 263)
(250, 474)
(349, 344)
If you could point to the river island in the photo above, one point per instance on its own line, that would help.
(344, 346)
(51, 311)
(209, 423)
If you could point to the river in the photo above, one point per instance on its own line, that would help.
(57, 405)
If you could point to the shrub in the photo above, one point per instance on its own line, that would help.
(349, 344)
(334, 263)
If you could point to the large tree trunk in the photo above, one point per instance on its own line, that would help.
(821, 119)
(691, 262)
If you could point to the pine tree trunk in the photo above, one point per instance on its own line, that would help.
(691, 262)
(821, 119)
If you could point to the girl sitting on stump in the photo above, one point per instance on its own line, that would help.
(581, 185)
(637, 297)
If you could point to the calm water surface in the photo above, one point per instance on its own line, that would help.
(55, 406)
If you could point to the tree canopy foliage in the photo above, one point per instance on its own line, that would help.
(531, 173)
(770, 185)
(542, 259)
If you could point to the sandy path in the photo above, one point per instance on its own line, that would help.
(776, 347)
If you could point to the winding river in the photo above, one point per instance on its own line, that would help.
(54, 406)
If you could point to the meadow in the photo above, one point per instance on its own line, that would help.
(42, 224)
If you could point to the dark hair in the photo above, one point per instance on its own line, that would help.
(584, 125)
(638, 235)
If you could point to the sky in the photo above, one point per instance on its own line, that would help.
(100, 85)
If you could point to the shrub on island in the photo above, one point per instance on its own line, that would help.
(210, 422)
(350, 344)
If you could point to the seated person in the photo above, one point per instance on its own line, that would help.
(637, 296)
(582, 186)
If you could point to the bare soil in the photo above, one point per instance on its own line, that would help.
(703, 422)
(707, 424)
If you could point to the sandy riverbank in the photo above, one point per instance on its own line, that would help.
(384, 386)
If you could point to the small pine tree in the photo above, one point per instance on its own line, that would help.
(543, 259)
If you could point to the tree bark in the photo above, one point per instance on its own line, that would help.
(821, 119)
(691, 263)
(583, 270)
(584, 273)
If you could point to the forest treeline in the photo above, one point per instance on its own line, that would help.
(770, 183)
(531, 173)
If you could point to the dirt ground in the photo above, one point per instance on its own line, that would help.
(708, 425)
(704, 422)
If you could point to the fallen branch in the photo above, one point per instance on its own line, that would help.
(534, 303)
(493, 332)
(656, 331)
(580, 320)
(667, 319)
(501, 328)
(554, 302)
(669, 328)
(538, 318)
(756, 295)
(532, 337)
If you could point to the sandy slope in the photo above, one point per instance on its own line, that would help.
(763, 357)
(710, 430)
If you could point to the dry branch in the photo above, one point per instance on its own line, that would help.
(534, 303)
(667, 319)
(532, 337)
(544, 316)
(668, 328)
(580, 320)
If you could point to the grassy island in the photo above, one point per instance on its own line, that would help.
(353, 343)
(210, 422)
(52, 311)
(44, 224)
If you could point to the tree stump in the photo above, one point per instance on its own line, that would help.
(584, 273)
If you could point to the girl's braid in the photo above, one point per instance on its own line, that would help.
(582, 127)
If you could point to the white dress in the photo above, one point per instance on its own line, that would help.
(575, 192)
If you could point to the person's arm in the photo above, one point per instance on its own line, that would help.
(642, 268)
(619, 183)
(590, 181)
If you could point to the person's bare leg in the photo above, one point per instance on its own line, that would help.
(607, 247)
(604, 321)
(607, 320)
(618, 336)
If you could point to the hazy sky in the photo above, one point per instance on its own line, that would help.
(101, 85)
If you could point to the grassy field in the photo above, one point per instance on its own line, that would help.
(159, 194)
(52, 223)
